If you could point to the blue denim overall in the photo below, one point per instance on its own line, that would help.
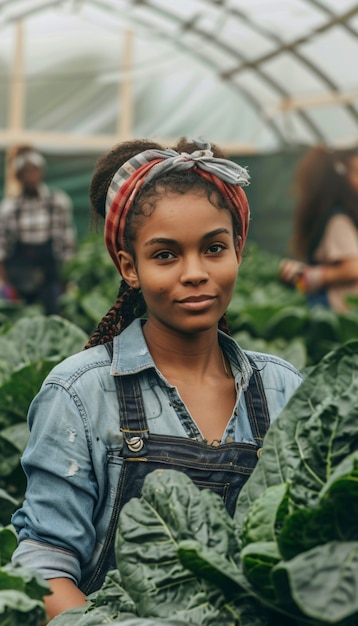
(223, 468)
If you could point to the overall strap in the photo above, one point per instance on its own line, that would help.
(130, 401)
(256, 403)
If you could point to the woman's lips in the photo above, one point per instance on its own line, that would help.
(196, 303)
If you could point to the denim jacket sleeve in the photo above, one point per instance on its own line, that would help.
(66, 481)
(60, 475)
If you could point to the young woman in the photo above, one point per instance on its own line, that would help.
(325, 239)
(161, 383)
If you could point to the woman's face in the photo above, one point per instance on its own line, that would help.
(352, 173)
(186, 263)
(30, 176)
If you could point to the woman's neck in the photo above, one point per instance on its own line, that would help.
(185, 356)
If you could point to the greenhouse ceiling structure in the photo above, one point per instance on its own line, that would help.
(254, 75)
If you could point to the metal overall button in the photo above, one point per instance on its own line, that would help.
(259, 452)
(135, 444)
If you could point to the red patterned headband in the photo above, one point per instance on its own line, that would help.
(226, 175)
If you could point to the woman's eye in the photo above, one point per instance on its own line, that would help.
(164, 255)
(215, 248)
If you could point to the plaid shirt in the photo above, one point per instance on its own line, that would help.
(30, 221)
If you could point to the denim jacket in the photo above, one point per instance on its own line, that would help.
(70, 464)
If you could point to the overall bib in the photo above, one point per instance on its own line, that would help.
(32, 269)
(223, 468)
(31, 265)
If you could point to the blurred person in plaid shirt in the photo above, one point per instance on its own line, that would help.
(37, 234)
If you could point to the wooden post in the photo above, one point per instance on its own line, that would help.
(124, 122)
(16, 105)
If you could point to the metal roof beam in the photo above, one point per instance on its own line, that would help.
(290, 47)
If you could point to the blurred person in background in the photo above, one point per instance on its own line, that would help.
(325, 237)
(37, 234)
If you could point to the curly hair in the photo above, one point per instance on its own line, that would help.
(320, 185)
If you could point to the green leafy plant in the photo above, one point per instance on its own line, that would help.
(29, 349)
(21, 591)
(92, 284)
(301, 503)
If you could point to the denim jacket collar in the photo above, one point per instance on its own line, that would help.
(131, 354)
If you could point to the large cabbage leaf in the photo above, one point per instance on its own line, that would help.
(21, 596)
(323, 582)
(38, 338)
(317, 429)
(298, 511)
(29, 349)
(172, 510)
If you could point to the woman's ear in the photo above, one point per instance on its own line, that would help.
(127, 269)
(238, 244)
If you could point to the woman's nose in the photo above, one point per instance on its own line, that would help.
(194, 270)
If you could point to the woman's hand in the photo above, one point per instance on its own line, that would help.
(306, 278)
(312, 279)
(290, 271)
